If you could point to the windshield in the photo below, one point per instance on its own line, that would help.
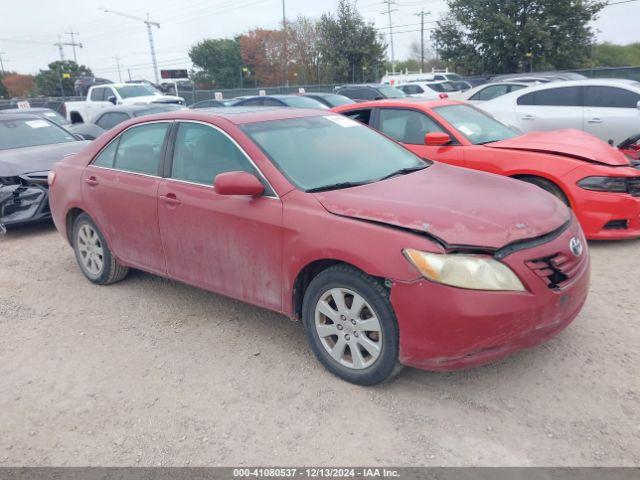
(158, 109)
(442, 87)
(314, 152)
(337, 100)
(55, 117)
(302, 102)
(391, 92)
(30, 133)
(453, 76)
(476, 125)
(129, 91)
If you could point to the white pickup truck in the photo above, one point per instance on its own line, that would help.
(100, 97)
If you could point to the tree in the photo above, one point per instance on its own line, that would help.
(611, 55)
(350, 48)
(217, 62)
(263, 53)
(304, 49)
(3, 89)
(59, 77)
(18, 85)
(504, 36)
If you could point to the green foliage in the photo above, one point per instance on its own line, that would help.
(504, 36)
(610, 55)
(217, 62)
(60, 76)
(350, 47)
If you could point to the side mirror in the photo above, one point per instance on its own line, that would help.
(112, 99)
(378, 98)
(79, 136)
(238, 183)
(437, 139)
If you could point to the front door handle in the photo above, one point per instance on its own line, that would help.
(528, 117)
(170, 199)
(91, 181)
(595, 120)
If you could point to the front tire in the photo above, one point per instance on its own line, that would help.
(93, 255)
(351, 326)
(547, 186)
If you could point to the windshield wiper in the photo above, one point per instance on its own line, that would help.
(404, 171)
(336, 186)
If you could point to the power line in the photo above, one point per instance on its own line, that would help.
(421, 14)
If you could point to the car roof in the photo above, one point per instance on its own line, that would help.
(27, 110)
(20, 116)
(402, 102)
(240, 115)
(138, 107)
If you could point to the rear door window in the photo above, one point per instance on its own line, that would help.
(553, 97)
(97, 94)
(140, 148)
(111, 119)
(490, 92)
(610, 97)
(362, 116)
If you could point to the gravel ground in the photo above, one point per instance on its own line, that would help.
(152, 372)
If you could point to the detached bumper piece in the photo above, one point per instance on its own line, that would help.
(24, 199)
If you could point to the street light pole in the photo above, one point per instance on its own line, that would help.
(388, 12)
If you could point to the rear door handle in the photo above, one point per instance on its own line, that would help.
(170, 199)
(528, 117)
(91, 181)
(595, 120)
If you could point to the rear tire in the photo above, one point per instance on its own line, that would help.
(351, 326)
(548, 186)
(93, 255)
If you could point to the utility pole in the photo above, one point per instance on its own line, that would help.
(73, 43)
(117, 59)
(2, 64)
(60, 49)
(421, 14)
(285, 73)
(389, 3)
(149, 23)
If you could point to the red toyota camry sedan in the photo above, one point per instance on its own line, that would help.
(596, 180)
(385, 258)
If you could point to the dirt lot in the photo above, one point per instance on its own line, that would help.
(152, 372)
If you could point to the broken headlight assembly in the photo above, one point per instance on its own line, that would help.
(21, 200)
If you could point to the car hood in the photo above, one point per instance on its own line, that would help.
(143, 100)
(19, 161)
(569, 142)
(459, 207)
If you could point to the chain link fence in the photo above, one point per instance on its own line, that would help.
(192, 96)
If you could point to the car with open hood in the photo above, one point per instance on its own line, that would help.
(29, 146)
(386, 258)
(596, 180)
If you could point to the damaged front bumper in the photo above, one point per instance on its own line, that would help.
(24, 199)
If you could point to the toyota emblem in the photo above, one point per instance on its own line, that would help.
(575, 245)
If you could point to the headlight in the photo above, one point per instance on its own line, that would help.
(611, 184)
(474, 272)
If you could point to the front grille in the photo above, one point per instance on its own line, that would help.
(557, 269)
(633, 186)
(37, 178)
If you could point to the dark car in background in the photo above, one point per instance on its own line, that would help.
(209, 104)
(330, 99)
(362, 93)
(296, 101)
(29, 146)
(110, 117)
(46, 113)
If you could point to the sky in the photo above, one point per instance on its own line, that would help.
(29, 28)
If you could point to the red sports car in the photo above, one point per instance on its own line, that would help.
(598, 181)
(316, 216)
